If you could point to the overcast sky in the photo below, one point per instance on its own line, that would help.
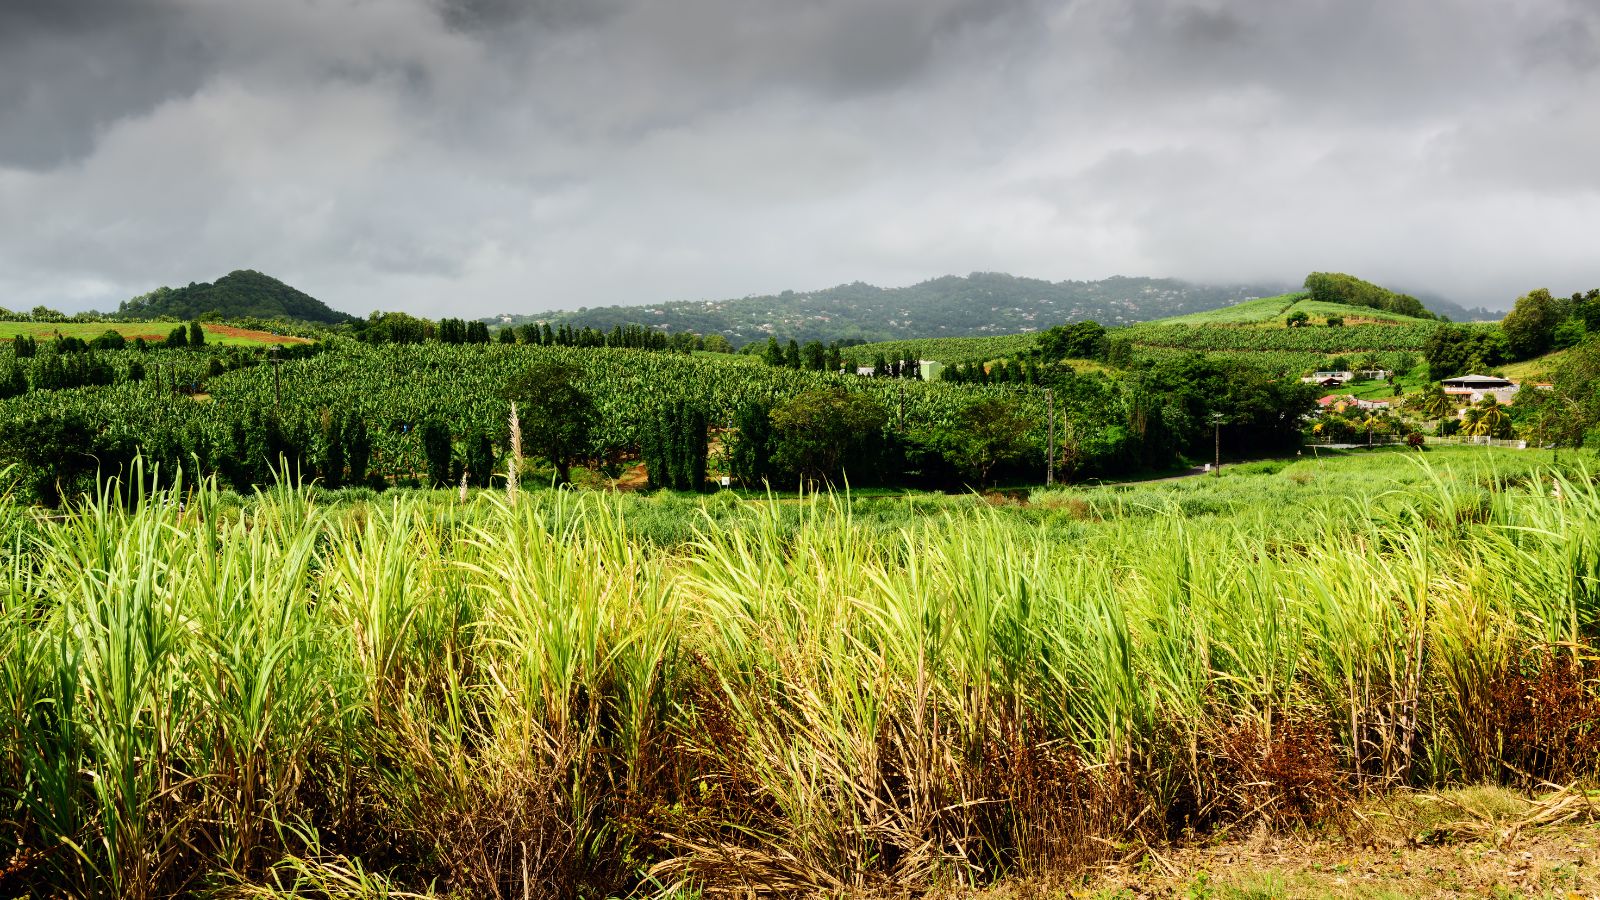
(479, 156)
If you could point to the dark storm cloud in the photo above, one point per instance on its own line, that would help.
(486, 155)
(70, 69)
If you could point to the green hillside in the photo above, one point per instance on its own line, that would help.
(1249, 312)
(244, 294)
(1261, 331)
(1275, 312)
(1254, 331)
(977, 305)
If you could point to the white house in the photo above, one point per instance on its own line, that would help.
(922, 368)
(1473, 388)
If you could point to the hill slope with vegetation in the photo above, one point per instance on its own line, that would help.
(243, 294)
(1337, 319)
(983, 303)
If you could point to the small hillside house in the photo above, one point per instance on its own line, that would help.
(1328, 379)
(1473, 388)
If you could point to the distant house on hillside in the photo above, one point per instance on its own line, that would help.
(1328, 379)
(1345, 401)
(1473, 388)
(1335, 379)
(922, 367)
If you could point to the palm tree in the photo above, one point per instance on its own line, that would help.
(1433, 402)
(1487, 419)
(1374, 419)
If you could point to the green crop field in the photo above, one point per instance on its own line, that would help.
(1256, 331)
(226, 335)
(1538, 369)
(584, 694)
(1319, 312)
(318, 623)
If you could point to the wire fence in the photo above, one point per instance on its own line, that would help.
(1479, 440)
(1377, 440)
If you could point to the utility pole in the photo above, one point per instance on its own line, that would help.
(277, 387)
(1050, 438)
(1216, 422)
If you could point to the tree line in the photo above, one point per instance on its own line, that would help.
(403, 328)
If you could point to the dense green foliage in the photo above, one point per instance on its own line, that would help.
(532, 699)
(241, 294)
(1453, 350)
(1540, 323)
(1568, 413)
(1080, 340)
(990, 432)
(598, 411)
(674, 447)
(555, 414)
(817, 433)
(1336, 287)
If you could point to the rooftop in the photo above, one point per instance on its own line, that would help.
(1467, 380)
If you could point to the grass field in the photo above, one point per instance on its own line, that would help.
(225, 335)
(1541, 369)
(408, 695)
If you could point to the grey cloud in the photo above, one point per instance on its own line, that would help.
(483, 155)
(70, 69)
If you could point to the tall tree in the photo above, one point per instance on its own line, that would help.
(988, 432)
(557, 415)
(1531, 325)
(436, 450)
(750, 451)
(358, 449)
(815, 430)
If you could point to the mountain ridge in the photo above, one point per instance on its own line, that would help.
(976, 305)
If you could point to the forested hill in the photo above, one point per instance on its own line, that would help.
(982, 303)
(242, 294)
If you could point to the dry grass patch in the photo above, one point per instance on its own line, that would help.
(1473, 842)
